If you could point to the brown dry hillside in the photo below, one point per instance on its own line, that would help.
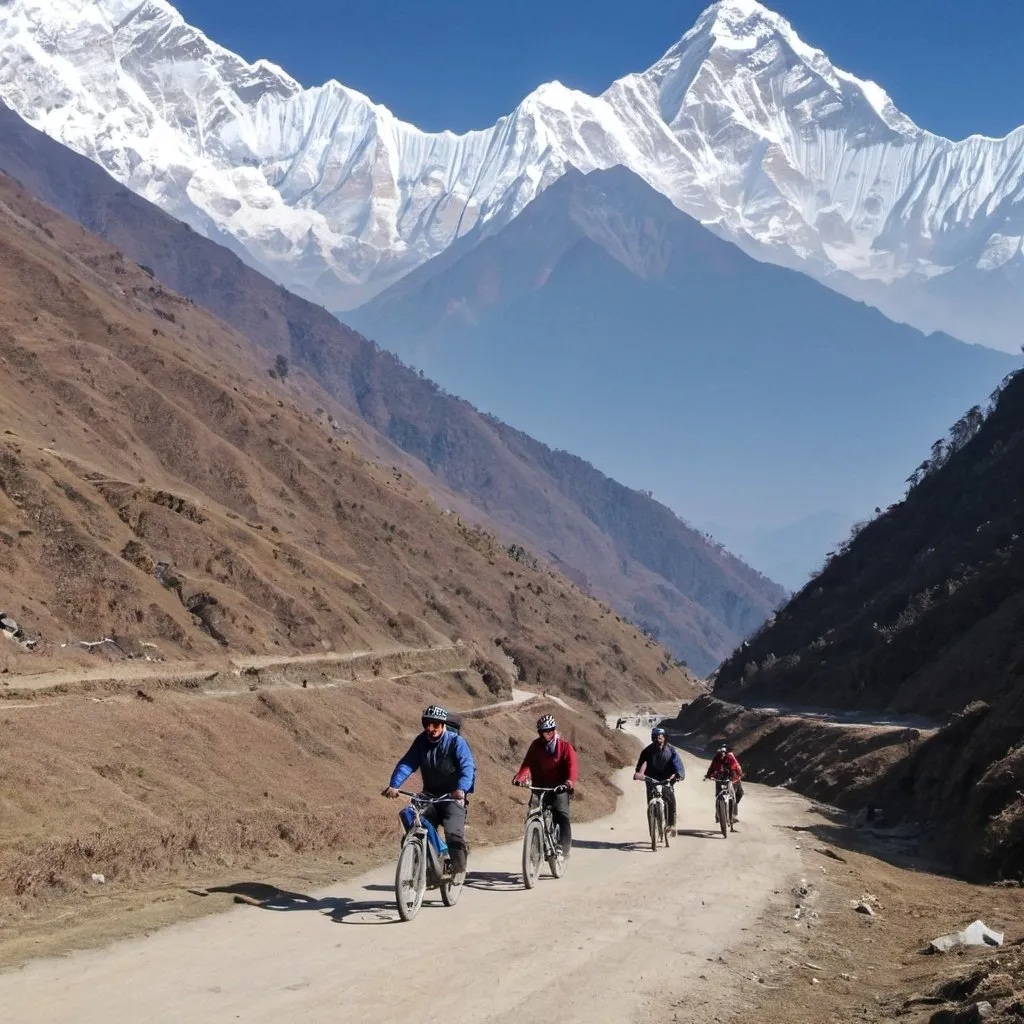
(617, 543)
(157, 486)
(923, 611)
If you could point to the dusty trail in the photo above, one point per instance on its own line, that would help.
(578, 947)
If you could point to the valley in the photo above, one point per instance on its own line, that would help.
(693, 402)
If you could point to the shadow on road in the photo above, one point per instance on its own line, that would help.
(598, 844)
(337, 908)
(494, 881)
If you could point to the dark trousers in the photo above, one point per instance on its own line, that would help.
(668, 794)
(559, 804)
(739, 794)
(451, 816)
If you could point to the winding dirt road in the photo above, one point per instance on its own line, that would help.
(589, 947)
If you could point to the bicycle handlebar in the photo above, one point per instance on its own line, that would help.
(422, 798)
(658, 782)
(542, 789)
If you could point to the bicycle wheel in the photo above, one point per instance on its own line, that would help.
(652, 825)
(451, 889)
(533, 852)
(556, 861)
(410, 879)
(723, 815)
(664, 826)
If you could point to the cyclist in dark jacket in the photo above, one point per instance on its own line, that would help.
(446, 766)
(660, 762)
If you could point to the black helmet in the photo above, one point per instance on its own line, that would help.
(546, 722)
(435, 713)
(657, 731)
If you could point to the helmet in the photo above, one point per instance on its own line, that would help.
(435, 713)
(656, 732)
(723, 747)
(546, 722)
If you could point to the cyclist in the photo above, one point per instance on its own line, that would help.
(660, 762)
(446, 766)
(725, 761)
(551, 761)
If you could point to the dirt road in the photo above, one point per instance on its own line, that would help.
(588, 947)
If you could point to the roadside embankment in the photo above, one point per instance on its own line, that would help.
(961, 783)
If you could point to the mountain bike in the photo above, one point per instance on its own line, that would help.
(423, 861)
(540, 837)
(725, 803)
(657, 813)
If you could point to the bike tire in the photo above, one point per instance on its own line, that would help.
(556, 862)
(652, 826)
(723, 816)
(533, 852)
(451, 889)
(664, 828)
(410, 880)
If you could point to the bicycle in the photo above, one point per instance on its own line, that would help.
(423, 861)
(657, 817)
(725, 803)
(540, 837)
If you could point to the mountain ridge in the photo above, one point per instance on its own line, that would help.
(610, 323)
(499, 470)
(740, 123)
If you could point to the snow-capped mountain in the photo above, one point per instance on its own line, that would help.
(740, 124)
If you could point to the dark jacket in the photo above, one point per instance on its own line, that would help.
(444, 766)
(661, 763)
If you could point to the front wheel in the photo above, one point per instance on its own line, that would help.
(533, 852)
(556, 859)
(410, 879)
(451, 888)
(653, 825)
(723, 816)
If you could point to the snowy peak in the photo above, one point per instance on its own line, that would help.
(741, 124)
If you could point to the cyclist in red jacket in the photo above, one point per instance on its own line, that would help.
(551, 761)
(725, 760)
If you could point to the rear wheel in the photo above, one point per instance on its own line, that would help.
(410, 880)
(533, 852)
(665, 830)
(723, 815)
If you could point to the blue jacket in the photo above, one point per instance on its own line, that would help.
(444, 766)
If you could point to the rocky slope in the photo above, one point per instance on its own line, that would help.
(921, 612)
(741, 124)
(536, 495)
(158, 488)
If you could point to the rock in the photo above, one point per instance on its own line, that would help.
(98, 878)
(975, 934)
(864, 908)
(973, 1014)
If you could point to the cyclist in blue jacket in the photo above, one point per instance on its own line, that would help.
(446, 766)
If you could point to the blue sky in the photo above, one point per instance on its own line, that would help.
(950, 65)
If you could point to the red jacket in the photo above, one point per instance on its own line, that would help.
(722, 761)
(545, 769)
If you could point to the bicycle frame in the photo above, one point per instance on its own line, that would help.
(542, 811)
(438, 863)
